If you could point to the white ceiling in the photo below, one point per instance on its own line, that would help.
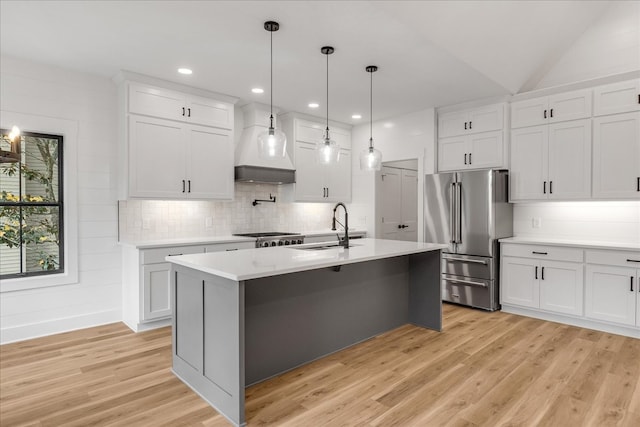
(429, 53)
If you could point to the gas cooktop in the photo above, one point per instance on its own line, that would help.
(274, 238)
(267, 234)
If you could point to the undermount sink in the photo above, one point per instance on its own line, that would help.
(320, 246)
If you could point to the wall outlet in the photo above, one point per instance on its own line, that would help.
(536, 222)
(208, 222)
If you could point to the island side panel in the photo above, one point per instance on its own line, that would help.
(295, 318)
(208, 338)
(425, 290)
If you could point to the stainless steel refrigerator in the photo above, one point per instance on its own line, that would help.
(469, 211)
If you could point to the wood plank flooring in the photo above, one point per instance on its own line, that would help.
(486, 369)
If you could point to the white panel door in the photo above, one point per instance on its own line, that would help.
(453, 153)
(485, 150)
(616, 156)
(156, 102)
(391, 203)
(209, 164)
(486, 119)
(338, 179)
(637, 288)
(209, 112)
(609, 295)
(616, 98)
(452, 124)
(528, 174)
(570, 160)
(520, 283)
(570, 106)
(310, 185)
(157, 152)
(531, 112)
(409, 206)
(561, 287)
(156, 291)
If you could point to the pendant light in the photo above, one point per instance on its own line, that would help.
(327, 150)
(272, 142)
(370, 158)
(13, 154)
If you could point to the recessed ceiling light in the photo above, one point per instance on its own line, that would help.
(314, 105)
(356, 116)
(186, 71)
(257, 90)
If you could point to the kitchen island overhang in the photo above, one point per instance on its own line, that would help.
(242, 317)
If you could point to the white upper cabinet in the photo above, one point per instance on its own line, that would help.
(551, 109)
(178, 145)
(472, 139)
(315, 182)
(475, 120)
(173, 105)
(616, 156)
(616, 98)
(529, 163)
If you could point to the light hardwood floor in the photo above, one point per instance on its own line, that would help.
(484, 369)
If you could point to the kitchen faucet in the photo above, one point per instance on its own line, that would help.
(342, 242)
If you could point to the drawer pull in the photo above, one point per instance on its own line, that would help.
(633, 260)
(475, 261)
(175, 254)
(539, 253)
(234, 249)
(468, 282)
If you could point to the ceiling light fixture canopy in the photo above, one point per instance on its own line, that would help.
(272, 142)
(327, 150)
(370, 158)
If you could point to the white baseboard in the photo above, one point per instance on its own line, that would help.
(140, 327)
(56, 326)
(574, 321)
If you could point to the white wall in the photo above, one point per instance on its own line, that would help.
(411, 136)
(600, 221)
(57, 94)
(610, 46)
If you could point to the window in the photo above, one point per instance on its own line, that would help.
(31, 207)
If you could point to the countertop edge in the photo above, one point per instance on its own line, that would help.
(573, 243)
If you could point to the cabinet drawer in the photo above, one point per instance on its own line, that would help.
(554, 253)
(309, 131)
(619, 258)
(616, 98)
(150, 256)
(219, 247)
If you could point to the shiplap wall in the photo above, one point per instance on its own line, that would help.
(37, 89)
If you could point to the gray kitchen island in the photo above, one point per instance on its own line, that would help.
(244, 316)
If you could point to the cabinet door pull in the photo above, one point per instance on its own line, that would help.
(638, 183)
(550, 187)
(631, 284)
(183, 111)
(327, 191)
(465, 125)
(465, 158)
(469, 158)
(633, 260)
(544, 188)
(551, 113)
(189, 186)
(639, 98)
(470, 123)
(545, 114)
(183, 186)
(188, 112)
(536, 273)
(539, 253)
(542, 277)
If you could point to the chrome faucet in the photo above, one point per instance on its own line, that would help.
(342, 242)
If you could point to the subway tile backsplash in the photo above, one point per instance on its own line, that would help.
(141, 220)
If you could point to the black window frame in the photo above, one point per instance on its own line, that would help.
(59, 204)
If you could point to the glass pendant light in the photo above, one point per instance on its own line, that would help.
(327, 150)
(370, 158)
(272, 142)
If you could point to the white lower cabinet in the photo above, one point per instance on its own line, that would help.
(146, 281)
(547, 285)
(597, 289)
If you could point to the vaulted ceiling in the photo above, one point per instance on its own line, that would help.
(429, 53)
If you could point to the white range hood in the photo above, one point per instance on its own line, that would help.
(249, 165)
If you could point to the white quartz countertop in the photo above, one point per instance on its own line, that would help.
(264, 262)
(211, 240)
(587, 244)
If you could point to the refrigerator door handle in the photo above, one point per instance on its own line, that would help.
(458, 212)
(452, 212)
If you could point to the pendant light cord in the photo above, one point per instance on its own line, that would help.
(271, 78)
(371, 112)
(327, 96)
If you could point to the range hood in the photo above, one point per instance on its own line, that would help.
(249, 166)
